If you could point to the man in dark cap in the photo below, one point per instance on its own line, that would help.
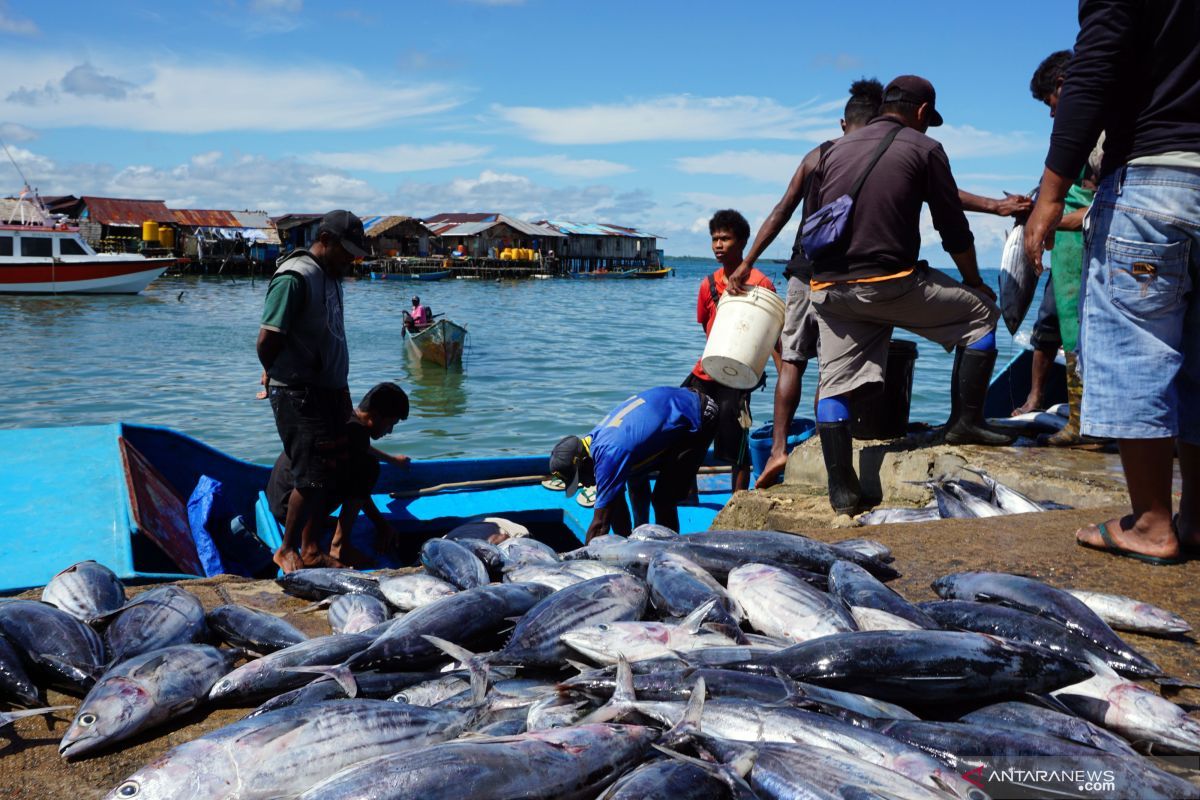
(870, 279)
(664, 429)
(302, 347)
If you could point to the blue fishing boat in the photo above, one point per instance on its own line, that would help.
(121, 494)
(441, 342)
(601, 274)
(1010, 386)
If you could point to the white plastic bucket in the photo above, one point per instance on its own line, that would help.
(743, 335)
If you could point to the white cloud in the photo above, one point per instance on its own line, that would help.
(842, 62)
(17, 25)
(178, 97)
(753, 164)
(404, 158)
(569, 167)
(12, 132)
(966, 141)
(678, 117)
(209, 180)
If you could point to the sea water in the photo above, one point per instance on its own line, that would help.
(544, 358)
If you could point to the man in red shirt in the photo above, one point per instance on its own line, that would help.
(730, 233)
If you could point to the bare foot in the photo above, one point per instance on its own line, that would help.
(1146, 537)
(771, 471)
(319, 559)
(287, 559)
(1031, 403)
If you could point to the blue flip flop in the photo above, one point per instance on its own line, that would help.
(1111, 547)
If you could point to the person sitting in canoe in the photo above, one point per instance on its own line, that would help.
(665, 429)
(357, 468)
(418, 318)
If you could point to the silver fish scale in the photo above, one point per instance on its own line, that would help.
(354, 613)
(795, 770)
(85, 590)
(271, 672)
(53, 640)
(282, 753)
(611, 598)
(158, 618)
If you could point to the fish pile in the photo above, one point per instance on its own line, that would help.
(722, 664)
(962, 499)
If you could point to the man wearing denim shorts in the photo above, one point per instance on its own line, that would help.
(302, 347)
(1136, 76)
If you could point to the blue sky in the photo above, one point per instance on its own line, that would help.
(649, 114)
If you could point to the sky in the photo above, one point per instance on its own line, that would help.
(650, 114)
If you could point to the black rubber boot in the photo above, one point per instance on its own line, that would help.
(954, 404)
(845, 492)
(967, 426)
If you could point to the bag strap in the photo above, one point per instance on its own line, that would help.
(712, 289)
(879, 151)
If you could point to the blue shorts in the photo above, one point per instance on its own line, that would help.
(1140, 328)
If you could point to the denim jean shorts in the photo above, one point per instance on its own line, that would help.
(1140, 327)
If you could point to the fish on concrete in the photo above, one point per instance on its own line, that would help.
(1044, 600)
(157, 618)
(453, 563)
(355, 613)
(868, 599)
(1019, 716)
(892, 516)
(1008, 499)
(605, 642)
(1126, 614)
(789, 548)
(15, 684)
(86, 590)
(649, 532)
(143, 692)
(414, 590)
(678, 586)
(57, 648)
(867, 547)
(781, 606)
(252, 629)
(318, 583)
(276, 672)
(526, 550)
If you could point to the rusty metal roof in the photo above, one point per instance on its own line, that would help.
(119, 211)
(197, 218)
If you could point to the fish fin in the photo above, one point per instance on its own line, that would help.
(32, 712)
(692, 622)
(733, 774)
(324, 602)
(1101, 667)
(1048, 701)
(458, 653)
(477, 665)
(580, 666)
(623, 697)
(339, 672)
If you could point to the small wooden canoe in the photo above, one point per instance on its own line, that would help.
(440, 342)
(653, 273)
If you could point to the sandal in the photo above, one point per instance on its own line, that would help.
(1111, 547)
(554, 484)
(586, 496)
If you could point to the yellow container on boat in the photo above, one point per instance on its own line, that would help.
(742, 337)
(149, 231)
(166, 237)
(505, 255)
(526, 254)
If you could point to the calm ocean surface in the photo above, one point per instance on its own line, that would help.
(544, 358)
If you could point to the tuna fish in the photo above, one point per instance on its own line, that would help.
(789, 548)
(489, 554)
(976, 505)
(536, 641)
(372, 685)
(1133, 711)
(605, 642)
(15, 684)
(678, 586)
(252, 629)
(1008, 499)
(157, 618)
(1018, 281)
(466, 618)
(1020, 626)
(275, 672)
(779, 605)
(564, 763)
(355, 613)
(668, 780)
(948, 505)
(85, 591)
(282, 753)
(524, 551)
(648, 533)
(57, 647)
(453, 563)
(143, 692)
(925, 666)
(321, 582)
(867, 547)
(892, 516)
(1047, 722)
(1044, 600)
(858, 589)
(1126, 614)
(407, 592)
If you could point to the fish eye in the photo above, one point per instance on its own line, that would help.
(129, 789)
(87, 720)
(602, 627)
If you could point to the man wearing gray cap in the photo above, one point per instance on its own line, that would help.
(867, 279)
(302, 347)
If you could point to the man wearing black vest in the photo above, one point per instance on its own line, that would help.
(302, 347)
(872, 281)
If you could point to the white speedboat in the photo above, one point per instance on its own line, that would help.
(36, 259)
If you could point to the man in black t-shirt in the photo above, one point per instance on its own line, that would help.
(357, 471)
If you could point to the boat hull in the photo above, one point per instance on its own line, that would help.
(649, 274)
(441, 343)
(123, 276)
